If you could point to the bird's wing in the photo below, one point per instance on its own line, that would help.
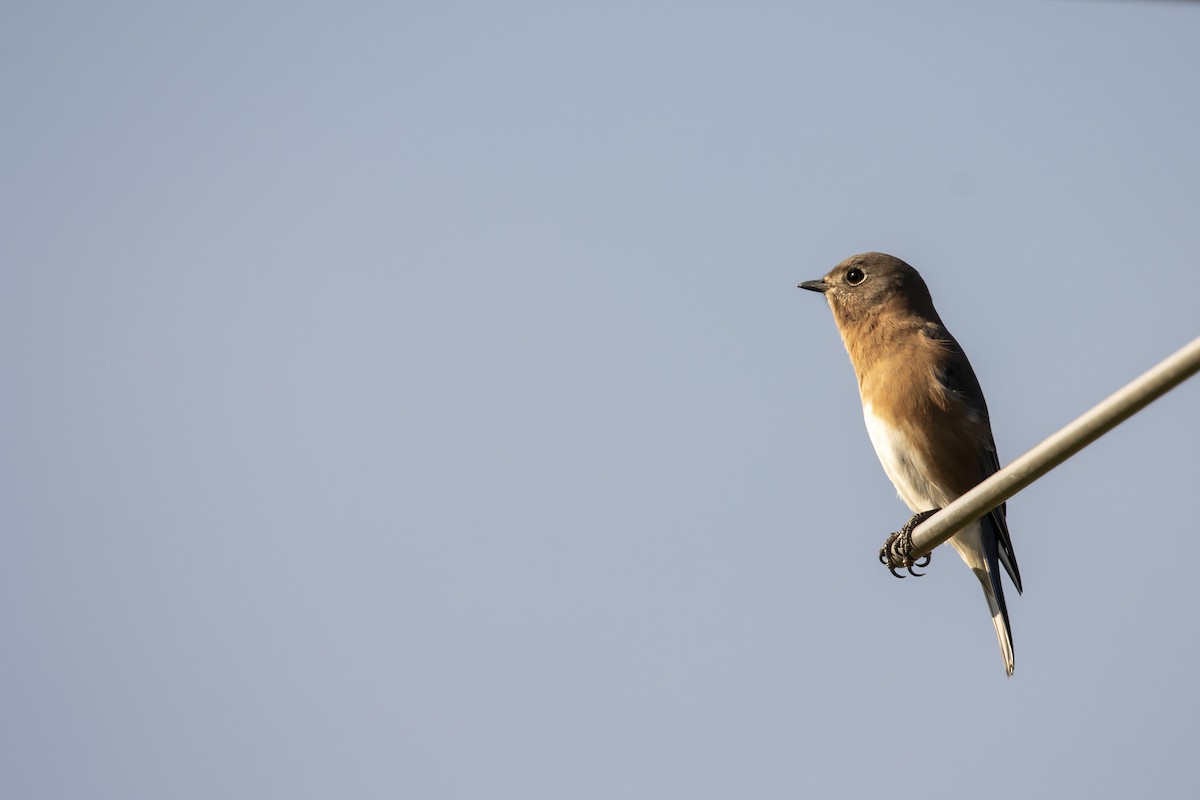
(958, 379)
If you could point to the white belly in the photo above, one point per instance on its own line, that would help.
(901, 462)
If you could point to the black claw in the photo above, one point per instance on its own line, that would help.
(896, 551)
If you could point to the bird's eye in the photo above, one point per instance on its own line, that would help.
(855, 276)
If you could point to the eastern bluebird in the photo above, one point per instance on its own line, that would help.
(924, 410)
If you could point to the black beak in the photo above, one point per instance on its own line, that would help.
(815, 286)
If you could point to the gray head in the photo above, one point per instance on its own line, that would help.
(870, 283)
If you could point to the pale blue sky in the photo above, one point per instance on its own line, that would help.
(414, 399)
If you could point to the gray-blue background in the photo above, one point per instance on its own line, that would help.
(413, 399)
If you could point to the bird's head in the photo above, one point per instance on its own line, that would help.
(869, 283)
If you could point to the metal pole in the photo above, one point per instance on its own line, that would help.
(1089, 427)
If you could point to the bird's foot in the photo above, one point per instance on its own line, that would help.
(896, 552)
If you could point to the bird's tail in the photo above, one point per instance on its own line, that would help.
(982, 555)
(989, 577)
(994, 593)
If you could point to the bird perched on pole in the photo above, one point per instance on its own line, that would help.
(924, 410)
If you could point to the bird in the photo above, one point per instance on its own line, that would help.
(924, 410)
